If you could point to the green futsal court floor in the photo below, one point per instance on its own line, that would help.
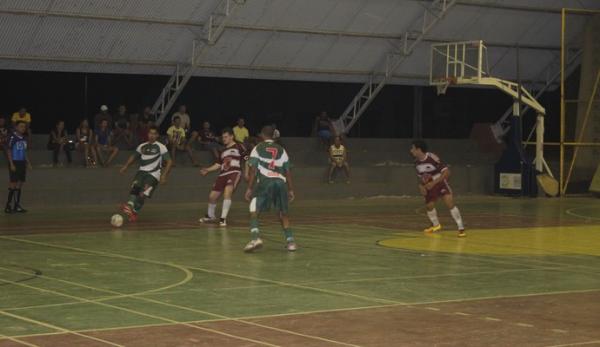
(527, 274)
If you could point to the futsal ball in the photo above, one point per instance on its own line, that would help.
(116, 220)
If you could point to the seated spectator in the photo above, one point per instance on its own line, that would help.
(184, 119)
(240, 132)
(324, 127)
(207, 139)
(103, 115)
(104, 143)
(276, 133)
(23, 116)
(338, 158)
(4, 133)
(59, 142)
(85, 142)
(122, 133)
(145, 121)
(177, 141)
(147, 116)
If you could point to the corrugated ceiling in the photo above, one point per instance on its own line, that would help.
(332, 40)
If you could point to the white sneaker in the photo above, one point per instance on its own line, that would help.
(253, 245)
(291, 246)
(206, 219)
(222, 222)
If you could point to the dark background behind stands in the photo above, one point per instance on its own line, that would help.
(293, 105)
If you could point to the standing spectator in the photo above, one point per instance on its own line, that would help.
(324, 127)
(104, 143)
(122, 133)
(184, 118)
(18, 161)
(240, 132)
(23, 116)
(103, 115)
(177, 141)
(338, 159)
(3, 134)
(208, 140)
(58, 142)
(85, 142)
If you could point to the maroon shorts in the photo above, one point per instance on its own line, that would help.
(230, 179)
(439, 190)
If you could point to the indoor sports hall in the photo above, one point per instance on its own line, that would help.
(300, 173)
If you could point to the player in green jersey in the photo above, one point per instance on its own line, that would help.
(270, 184)
(151, 156)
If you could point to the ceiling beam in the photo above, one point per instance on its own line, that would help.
(243, 27)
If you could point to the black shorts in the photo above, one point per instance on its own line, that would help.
(20, 172)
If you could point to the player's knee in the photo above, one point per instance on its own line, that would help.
(135, 190)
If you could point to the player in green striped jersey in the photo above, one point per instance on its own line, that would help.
(151, 156)
(270, 184)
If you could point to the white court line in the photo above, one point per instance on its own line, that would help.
(14, 339)
(594, 342)
(122, 309)
(55, 327)
(284, 283)
(134, 296)
(571, 213)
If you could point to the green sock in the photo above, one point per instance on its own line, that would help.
(289, 236)
(136, 203)
(254, 228)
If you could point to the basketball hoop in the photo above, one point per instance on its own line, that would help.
(443, 84)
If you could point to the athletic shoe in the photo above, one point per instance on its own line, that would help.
(131, 215)
(19, 209)
(8, 209)
(291, 246)
(222, 222)
(462, 233)
(433, 229)
(253, 245)
(207, 219)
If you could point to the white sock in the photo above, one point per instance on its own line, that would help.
(457, 218)
(211, 210)
(226, 206)
(433, 217)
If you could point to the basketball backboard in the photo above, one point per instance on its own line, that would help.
(457, 63)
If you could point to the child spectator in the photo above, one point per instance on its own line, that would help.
(177, 141)
(58, 142)
(85, 142)
(104, 143)
(184, 118)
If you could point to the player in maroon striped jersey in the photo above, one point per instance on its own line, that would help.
(433, 176)
(230, 164)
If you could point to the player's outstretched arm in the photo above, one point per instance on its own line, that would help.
(214, 167)
(127, 164)
(165, 173)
